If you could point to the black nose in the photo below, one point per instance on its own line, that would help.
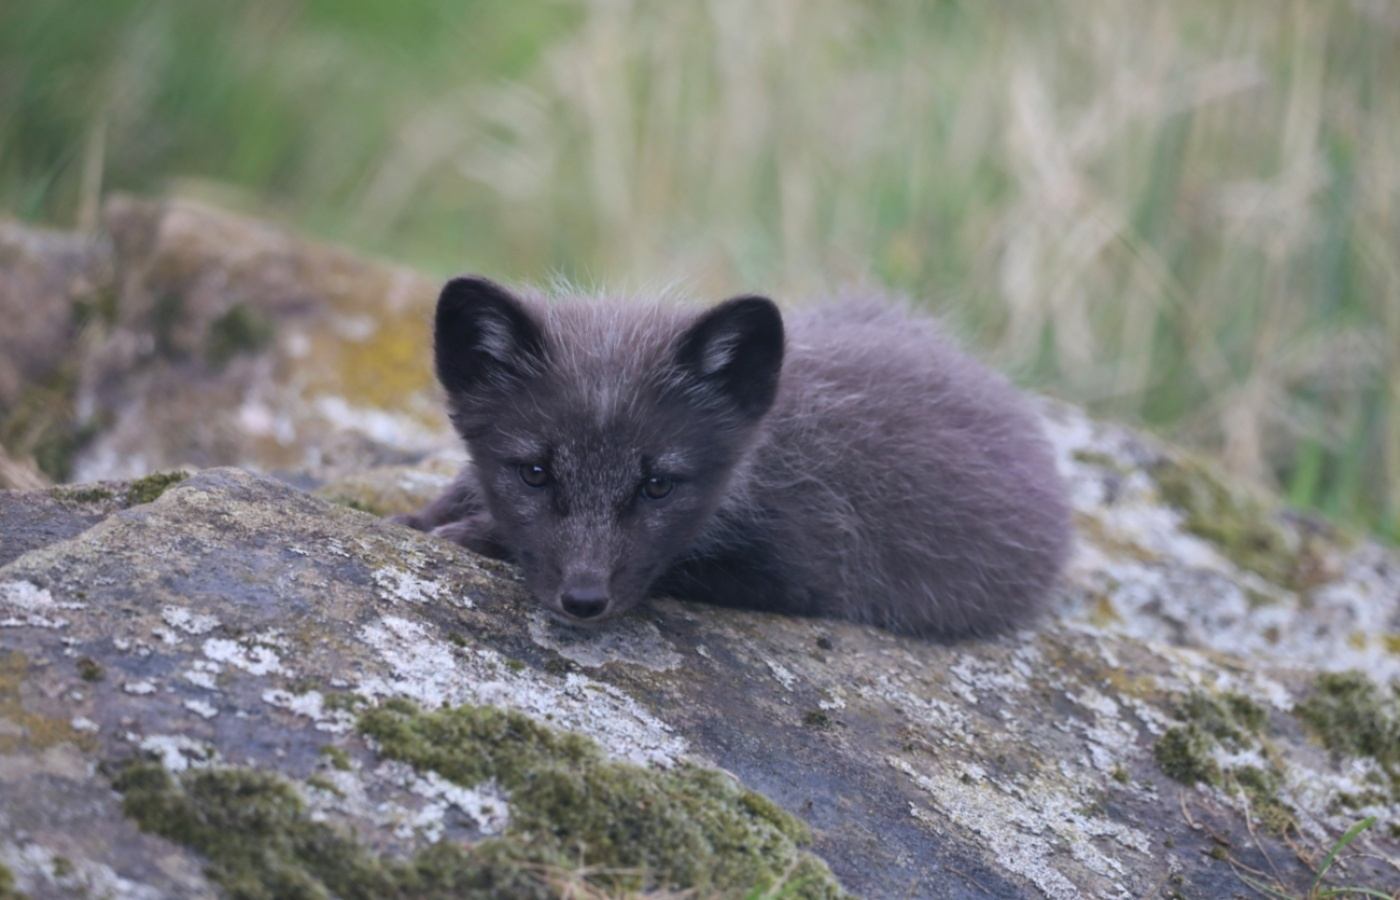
(584, 602)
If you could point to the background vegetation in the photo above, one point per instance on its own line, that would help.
(1185, 214)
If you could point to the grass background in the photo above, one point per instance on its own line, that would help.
(1181, 214)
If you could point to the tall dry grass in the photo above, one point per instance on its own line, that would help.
(1183, 214)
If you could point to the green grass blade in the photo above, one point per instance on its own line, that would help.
(1352, 834)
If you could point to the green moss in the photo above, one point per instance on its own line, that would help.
(1355, 800)
(62, 867)
(86, 494)
(148, 489)
(635, 828)
(816, 718)
(89, 670)
(322, 783)
(1187, 752)
(97, 309)
(338, 758)
(8, 891)
(1231, 719)
(580, 825)
(241, 330)
(1120, 775)
(261, 844)
(355, 503)
(1245, 712)
(343, 700)
(1260, 787)
(1100, 460)
(760, 806)
(1184, 753)
(42, 423)
(1239, 525)
(1351, 715)
(473, 744)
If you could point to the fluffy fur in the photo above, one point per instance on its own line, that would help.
(843, 461)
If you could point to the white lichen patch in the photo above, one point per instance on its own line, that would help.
(1038, 831)
(397, 585)
(141, 687)
(420, 666)
(484, 804)
(631, 641)
(940, 721)
(413, 806)
(38, 871)
(782, 674)
(312, 705)
(201, 708)
(1138, 570)
(255, 660)
(177, 752)
(187, 621)
(31, 606)
(29, 597)
(203, 673)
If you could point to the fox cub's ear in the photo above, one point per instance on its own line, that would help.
(734, 353)
(483, 335)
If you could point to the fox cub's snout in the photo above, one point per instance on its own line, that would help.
(847, 461)
(596, 470)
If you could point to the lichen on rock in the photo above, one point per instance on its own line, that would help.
(1188, 711)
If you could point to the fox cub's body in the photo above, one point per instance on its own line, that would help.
(853, 464)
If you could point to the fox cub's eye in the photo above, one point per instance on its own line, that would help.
(656, 487)
(534, 476)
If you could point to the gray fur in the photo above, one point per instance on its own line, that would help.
(888, 479)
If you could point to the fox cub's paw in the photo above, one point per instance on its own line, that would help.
(475, 533)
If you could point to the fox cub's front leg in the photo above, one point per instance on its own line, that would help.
(458, 515)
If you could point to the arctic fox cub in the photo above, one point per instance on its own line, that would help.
(849, 462)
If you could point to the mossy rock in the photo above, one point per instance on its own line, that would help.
(150, 488)
(688, 828)
(1353, 716)
(576, 820)
(1241, 525)
(261, 844)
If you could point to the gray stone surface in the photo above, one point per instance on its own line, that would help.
(225, 615)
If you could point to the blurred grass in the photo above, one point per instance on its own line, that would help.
(1180, 214)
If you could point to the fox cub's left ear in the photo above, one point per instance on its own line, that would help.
(733, 354)
(483, 336)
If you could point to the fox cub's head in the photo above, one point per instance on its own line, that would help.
(603, 435)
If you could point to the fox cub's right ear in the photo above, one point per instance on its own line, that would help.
(483, 335)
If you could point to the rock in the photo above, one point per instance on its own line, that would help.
(227, 680)
(208, 339)
(54, 290)
(237, 623)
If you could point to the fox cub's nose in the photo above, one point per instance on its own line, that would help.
(584, 602)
